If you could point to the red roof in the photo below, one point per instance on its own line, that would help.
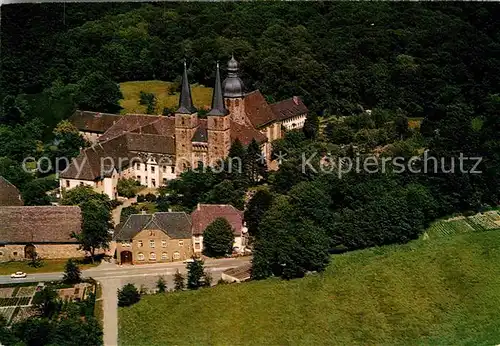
(258, 110)
(205, 214)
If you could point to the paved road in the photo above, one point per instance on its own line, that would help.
(112, 277)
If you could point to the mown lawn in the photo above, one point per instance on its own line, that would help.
(202, 96)
(439, 292)
(49, 266)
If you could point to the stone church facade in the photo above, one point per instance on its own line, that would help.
(155, 149)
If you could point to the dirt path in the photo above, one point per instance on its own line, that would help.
(110, 307)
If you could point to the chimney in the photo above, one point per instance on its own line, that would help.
(296, 100)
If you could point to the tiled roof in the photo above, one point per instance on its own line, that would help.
(128, 123)
(93, 121)
(289, 108)
(176, 225)
(151, 143)
(164, 126)
(205, 214)
(9, 194)
(245, 134)
(40, 224)
(258, 110)
(87, 166)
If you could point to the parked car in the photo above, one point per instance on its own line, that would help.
(18, 275)
(189, 260)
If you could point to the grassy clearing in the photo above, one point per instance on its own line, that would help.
(202, 96)
(49, 266)
(445, 292)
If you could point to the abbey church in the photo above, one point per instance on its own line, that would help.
(155, 149)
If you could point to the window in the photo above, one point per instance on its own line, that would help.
(15, 253)
(139, 178)
(151, 243)
(67, 183)
(152, 169)
(164, 169)
(181, 242)
(138, 166)
(125, 244)
(197, 246)
(152, 256)
(1, 253)
(153, 182)
(140, 256)
(164, 256)
(177, 255)
(140, 244)
(172, 169)
(164, 181)
(163, 243)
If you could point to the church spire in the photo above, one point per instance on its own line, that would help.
(218, 107)
(185, 101)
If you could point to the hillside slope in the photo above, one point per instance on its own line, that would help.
(445, 291)
(202, 96)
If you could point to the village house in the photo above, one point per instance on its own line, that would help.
(9, 194)
(173, 236)
(154, 238)
(155, 149)
(46, 230)
(205, 214)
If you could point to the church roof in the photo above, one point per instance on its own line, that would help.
(218, 107)
(93, 121)
(128, 123)
(39, 224)
(185, 100)
(258, 110)
(9, 194)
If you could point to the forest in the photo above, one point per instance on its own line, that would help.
(365, 71)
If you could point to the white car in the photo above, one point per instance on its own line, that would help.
(189, 260)
(18, 275)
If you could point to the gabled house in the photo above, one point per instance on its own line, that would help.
(173, 236)
(154, 238)
(44, 229)
(205, 214)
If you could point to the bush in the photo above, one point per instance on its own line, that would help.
(218, 238)
(72, 273)
(128, 187)
(141, 198)
(128, 295)
(150, 197)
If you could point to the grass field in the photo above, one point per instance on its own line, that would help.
(202, 96)
(48, 267)
(441, 292)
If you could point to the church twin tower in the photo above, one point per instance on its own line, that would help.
(197, 142)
